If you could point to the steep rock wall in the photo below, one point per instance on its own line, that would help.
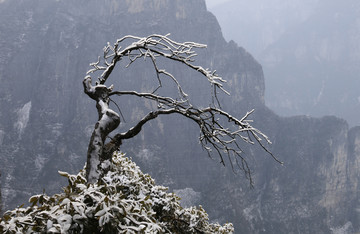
(46, 120)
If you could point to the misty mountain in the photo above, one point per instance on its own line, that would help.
(46, 119)
(308, 49)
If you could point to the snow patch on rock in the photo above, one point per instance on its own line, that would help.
(346, 229)
(39, 162)
(188, 197)
(2, 135)
(23, 115)
(146, 155)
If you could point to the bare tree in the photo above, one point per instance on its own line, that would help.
(214, 137)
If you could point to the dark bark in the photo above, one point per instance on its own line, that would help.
(108, 121)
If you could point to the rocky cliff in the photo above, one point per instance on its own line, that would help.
(45, 119)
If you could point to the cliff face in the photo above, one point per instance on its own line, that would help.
(312, 191)
(45, 119)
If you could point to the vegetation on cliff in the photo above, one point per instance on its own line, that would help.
(125, 200)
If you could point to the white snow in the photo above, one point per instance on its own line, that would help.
(346, 229)
(318, 98)
(2, 134)
(189, 197)
(93, 172)
(65, 222)
(6, 192)
(146, 154)
(56, 129)
(105, 164)
(39, 162)
(126, 192)
(23, 115)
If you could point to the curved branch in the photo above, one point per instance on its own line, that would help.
(162, 101)
(213, 136)
(153, 46)
(137, 128)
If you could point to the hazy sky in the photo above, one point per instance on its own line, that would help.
(213, 3)
(309, 51)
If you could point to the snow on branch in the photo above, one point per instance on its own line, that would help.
(153, 46)
(214, 135)
(220, 133)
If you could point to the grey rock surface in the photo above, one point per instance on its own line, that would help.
(46, 120)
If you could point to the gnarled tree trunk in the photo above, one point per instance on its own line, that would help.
(108, 120)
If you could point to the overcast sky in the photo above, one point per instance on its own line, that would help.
(300, 42)
(213, 3)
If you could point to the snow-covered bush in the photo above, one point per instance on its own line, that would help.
(124, 201)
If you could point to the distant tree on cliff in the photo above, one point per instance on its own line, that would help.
(216, 136)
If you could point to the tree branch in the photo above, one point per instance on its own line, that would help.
(153, 46)
(213, 136)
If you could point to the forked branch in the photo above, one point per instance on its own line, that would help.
(152, 47)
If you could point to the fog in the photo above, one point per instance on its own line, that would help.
(309, 51)
(215, 3)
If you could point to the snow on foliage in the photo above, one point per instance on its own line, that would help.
(124, 201)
